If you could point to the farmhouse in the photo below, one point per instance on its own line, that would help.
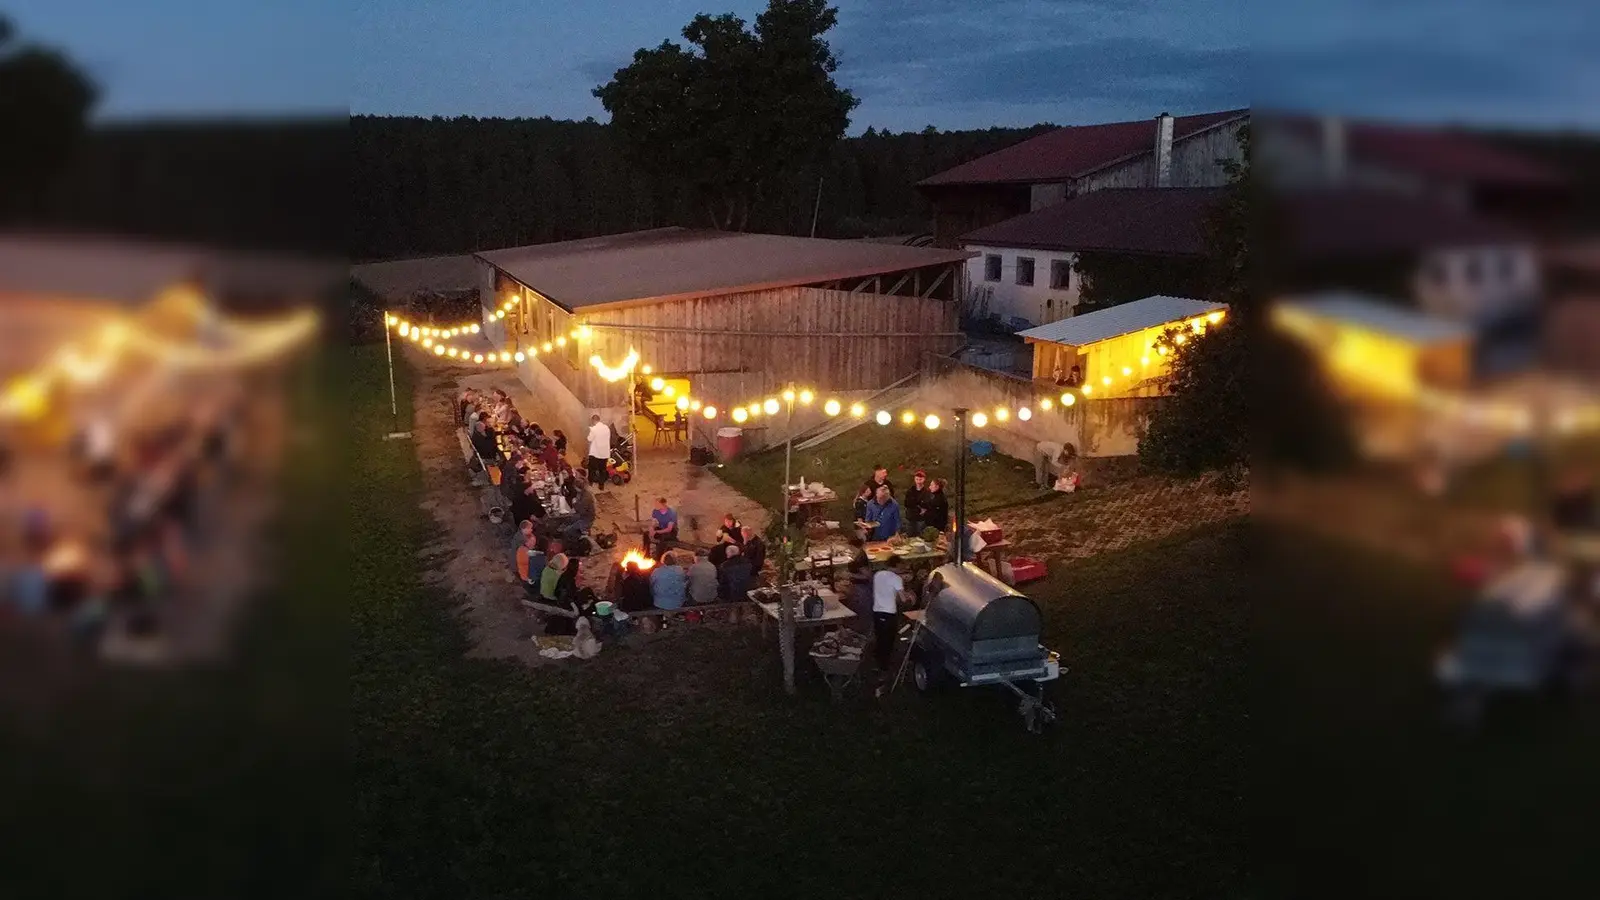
(725, 316)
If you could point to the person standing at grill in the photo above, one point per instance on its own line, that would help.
(599, 451)
(887, 587)
(935, 511)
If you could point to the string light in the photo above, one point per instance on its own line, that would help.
(1044, 403)
(683, 403)
(438, 349)
(658, 385)
(771, 406)
(932, 421)
(1087, 389)
(561, 340)
(646, 370)
(907, 417)
(710, 412)
(979, 420)
(883, 417)
(806, 397)
(739, 414)
(1126, 371)
(831, 407)
(694, 405)
(669, 391)
(1068, 399)
(1024, 414)
(548, 346)
(857, 410)
(788, 396)
(1001, 414)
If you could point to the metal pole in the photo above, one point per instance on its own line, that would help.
(388, 351)
(817, 207)
(961, 484)
(788, 449)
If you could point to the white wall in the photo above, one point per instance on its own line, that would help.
(1037, 303)
(1478, 284)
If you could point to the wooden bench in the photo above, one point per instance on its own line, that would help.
(649, 619)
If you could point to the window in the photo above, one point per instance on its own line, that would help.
(1024, 270)
(991, 267)
(1472, 272)
(1060, 274)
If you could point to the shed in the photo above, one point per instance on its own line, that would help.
(729, 315)
(1370, 345)
(1114, 348)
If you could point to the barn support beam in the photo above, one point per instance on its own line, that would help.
(935, 285)
(899, 284)
(864, 283)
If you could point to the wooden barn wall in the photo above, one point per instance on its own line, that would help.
(1194, 164)
(750, 343)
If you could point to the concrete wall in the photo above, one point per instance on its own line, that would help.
(1037, 303)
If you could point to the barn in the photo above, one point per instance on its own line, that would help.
(726, 317)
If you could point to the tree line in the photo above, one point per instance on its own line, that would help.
(437, 185)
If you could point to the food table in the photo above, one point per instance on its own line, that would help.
(802, 496)
(834, 612)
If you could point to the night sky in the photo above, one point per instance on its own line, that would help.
(950, 63)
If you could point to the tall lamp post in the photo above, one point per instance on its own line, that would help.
(394, 405)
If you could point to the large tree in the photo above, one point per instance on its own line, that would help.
(44, 104)
(737, 108)
(1242, 391)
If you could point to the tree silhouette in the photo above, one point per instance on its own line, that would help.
(44, 104)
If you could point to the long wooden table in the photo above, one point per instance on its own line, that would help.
(834, 612)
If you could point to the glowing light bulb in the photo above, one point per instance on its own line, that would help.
(771, 406)
(1144, 360)
(1002, 414)
(427, 342)
(932, 421)
(548, 346)
(1105, 380)
(979, 420)
(806, 397)
(831, 407)
(584, 332)
(1068, 399)
(1024, 414)
(1045, 404)
(709, 412)
(1215, 317)
(658, 385)
(694, 405)
(596, 361)
(857, 410)
(739, 414)
(1197, 324)
(452, 353)
(438, 349)
(646, 370)
(788, 396)
(1126, 371)
(683, 403)
(561, 341)
(883, 417)
(478, 359)
(499, 314)
(1180, 339)
(670, 391)
(404, 329)
(393, 321)
(1088, 389)
(907, 417)
(1162, 350)
(520, 356)
(473, 328)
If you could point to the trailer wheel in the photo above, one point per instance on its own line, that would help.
(925, 671)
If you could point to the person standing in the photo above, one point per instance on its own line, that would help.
(883, 516)
(935, 511)
(880, 478)
(887, 586)
(599, 451)
(914, 498)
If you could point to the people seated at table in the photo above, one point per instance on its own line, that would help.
(883, 516)
(482, 436)
(567, 584)
(734, 576)
(663, 528)
(531, 565)
(731, 534)
(524, 530)
(668, 583)
(880, 478)
(935, 511)
(525, 503)
(466, 403)
(912, 502)
(559, 438)
(755, 549)
(702, 579)
(550, 578)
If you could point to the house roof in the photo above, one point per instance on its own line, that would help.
(680, 263)
(1376, 314)
(1435, 153)
(1126, 318)
(1073, 151)
(1162, 221)
(1342, 222)
(402, 278)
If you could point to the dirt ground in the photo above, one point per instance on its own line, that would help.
(472, 557)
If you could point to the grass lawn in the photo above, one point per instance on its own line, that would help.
(846, 461)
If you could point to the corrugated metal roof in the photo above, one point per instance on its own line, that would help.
(1126, 318)
(679, 263)
(1377, 314)
(402, 278)
(1073, 151)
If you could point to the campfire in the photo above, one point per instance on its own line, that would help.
(634, 556)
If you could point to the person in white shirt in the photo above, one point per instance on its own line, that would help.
(887, 586)
(599, 451)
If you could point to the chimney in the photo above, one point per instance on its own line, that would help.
(1164, 150)
(1333, 149)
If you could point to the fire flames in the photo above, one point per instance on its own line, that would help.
(645, 563)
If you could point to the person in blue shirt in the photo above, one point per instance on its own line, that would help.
(883, 514)
(663, 526)
(669, 584)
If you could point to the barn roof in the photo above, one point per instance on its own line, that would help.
(1073, 151)
(1431, 152)
(1327, 223)
(1115, 321)
(402, 278)
(1162, 221)
(679, 263)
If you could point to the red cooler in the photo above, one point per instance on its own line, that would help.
(730, 443)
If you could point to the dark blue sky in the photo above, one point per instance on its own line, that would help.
(952, 63)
